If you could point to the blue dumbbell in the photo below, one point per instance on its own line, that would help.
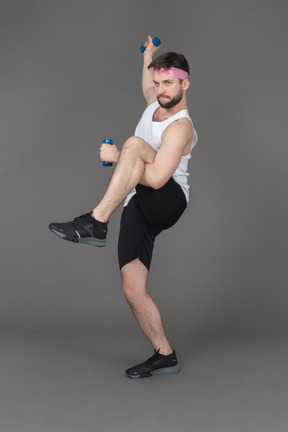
(107, 141)
(156, 41)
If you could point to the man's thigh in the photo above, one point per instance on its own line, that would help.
(136, 236)
(162, 207)
(134, 274)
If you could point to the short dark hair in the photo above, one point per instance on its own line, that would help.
(168, 60)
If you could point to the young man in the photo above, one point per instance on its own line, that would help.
(151, 176)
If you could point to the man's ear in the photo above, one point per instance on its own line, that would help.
(185, 84)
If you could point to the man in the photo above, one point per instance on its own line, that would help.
(151, 176)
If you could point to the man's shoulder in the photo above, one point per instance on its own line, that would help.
(183, 123)
(152, 104)
(181, 127)
(152, 100)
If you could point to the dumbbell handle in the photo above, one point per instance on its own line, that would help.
(107, 141)
(156, 41)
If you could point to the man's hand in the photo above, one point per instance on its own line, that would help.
(109, 153)
(150, 47)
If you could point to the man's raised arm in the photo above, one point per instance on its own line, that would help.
(147, 74)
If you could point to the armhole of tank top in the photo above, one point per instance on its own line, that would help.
(188, 155)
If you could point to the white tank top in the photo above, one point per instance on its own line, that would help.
(151, 131)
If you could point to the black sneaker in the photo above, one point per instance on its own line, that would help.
(83, 229)
(155, 365)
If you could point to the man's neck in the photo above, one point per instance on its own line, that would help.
(164, 113)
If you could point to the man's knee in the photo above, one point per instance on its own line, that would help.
(133, 143)
(132, 290)
(134, 279)
(129, 292)
(137, 145)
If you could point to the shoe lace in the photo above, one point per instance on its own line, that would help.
(83, 216)
(154, 357)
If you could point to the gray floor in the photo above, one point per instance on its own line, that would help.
(76, 382)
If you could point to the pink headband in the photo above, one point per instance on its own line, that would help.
(175, 72)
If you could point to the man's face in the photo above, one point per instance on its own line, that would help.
(168, 89)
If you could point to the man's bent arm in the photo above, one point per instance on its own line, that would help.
(176, 138)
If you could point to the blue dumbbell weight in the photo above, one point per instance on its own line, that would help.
(156, 41)
(107, 141)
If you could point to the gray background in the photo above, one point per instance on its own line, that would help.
(71, 76)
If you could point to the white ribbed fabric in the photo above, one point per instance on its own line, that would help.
(151, 132)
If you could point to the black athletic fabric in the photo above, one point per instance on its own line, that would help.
(148, 213)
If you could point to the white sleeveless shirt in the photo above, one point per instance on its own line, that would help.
(151, 132)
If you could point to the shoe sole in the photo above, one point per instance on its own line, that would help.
(87, 240)
(162, 371)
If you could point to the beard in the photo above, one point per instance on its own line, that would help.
(172, 102)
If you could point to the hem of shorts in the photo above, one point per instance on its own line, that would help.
(133, 259)
(184, 190)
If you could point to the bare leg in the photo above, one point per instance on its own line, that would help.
(134, 279)
(127, 174)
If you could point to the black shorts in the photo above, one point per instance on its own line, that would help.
(148, 213)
